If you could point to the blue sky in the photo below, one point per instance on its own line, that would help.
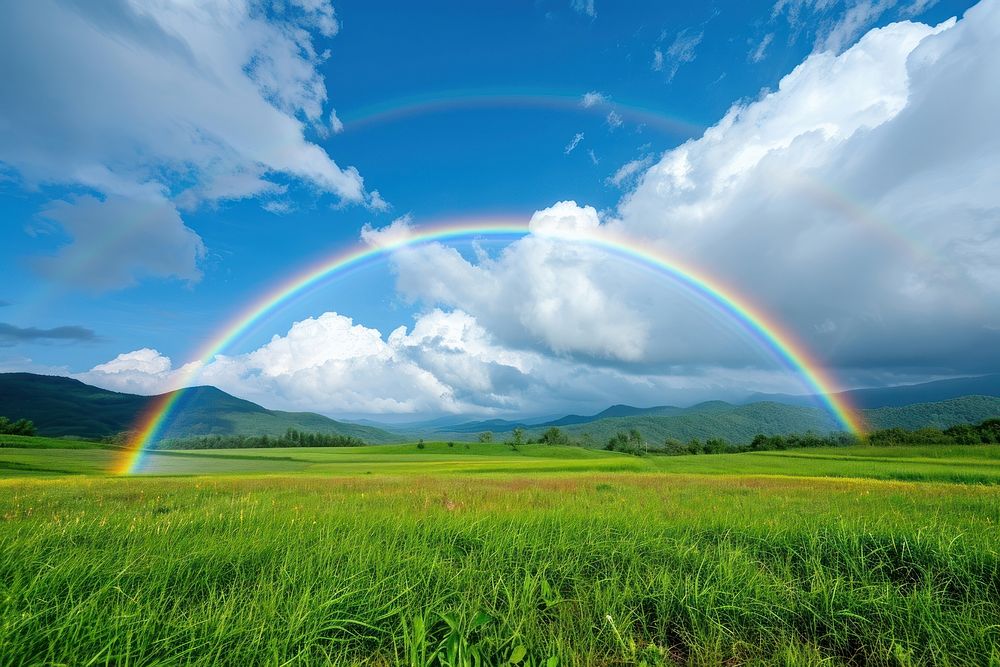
(210, 139)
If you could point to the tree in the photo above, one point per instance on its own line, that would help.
(673, 446)
(517, 436)
(628, 442)
(20, 427)
(716, 446)
(553, 436)
(486, 436)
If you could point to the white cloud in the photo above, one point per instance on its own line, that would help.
(826, 199)
(614, 119)
(628, 172)
(593, 156)
(544, 292)
(574, 142)
(192, 101)
(278, 207)
(330, 364)
(835, 25)
(657, 60)
(682, 50)
(857, 204)
(917, 7)
(376, 203)
(593, 98)
(335, 123)
(584, 7)
(318, 14)
(398, 230)
(852, 24)
(144, 371)
(758, 52)
(823, 202)
(447, 363)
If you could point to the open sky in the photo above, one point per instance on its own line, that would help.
(163, 165)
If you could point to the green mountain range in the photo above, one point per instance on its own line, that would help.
(62, 406)
(740, 423)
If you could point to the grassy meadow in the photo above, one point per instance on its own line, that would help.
(449, 555)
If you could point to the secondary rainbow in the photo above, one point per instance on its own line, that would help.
(761, 326)
(454, 100)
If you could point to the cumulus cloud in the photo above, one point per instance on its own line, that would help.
(398, 230)
(543, 292)
(184, 102)
(856, 203)
(447, 363)
(827, 199)
(144, 371)
(555, 293)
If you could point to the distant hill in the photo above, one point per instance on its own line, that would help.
(927, 392)
(568, 420)
(887, 397)
(714, 419)
(940, 414)
(62, 406)
(740, 423)
(480, 426)
(614, 411)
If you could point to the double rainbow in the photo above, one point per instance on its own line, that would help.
(765, 329)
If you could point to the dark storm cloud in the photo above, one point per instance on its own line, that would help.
(13, 335)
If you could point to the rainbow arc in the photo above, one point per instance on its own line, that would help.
(763, 328)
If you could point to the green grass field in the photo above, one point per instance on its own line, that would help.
(482, 555)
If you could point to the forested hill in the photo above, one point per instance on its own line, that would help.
(740, 423)
(61, 406)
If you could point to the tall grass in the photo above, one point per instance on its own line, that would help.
(614, 569)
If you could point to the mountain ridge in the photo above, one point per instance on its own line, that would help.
(62, 406)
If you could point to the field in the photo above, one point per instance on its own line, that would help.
(483, 555)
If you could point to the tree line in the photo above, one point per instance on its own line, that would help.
(19, 427)
(291, 438)
(984, 433)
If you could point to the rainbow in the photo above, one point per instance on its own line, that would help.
(762, 327)
(826, 196)
(454, 100)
